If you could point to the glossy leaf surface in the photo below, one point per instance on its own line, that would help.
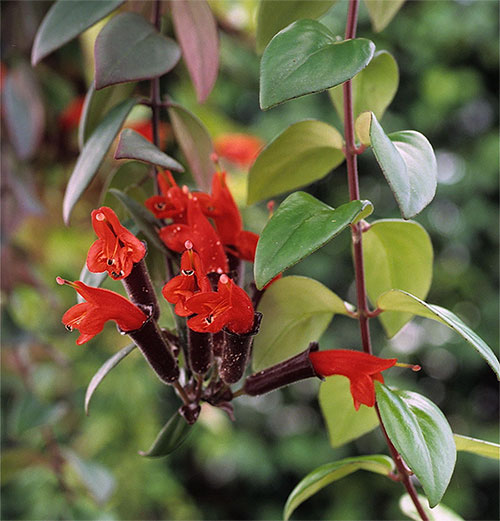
(326, 474)
(130, 49)
(422, 435)
(439, 513)
(475, 446)
(93, 154)
(382, 12)
(103, 371)
(398, 256)
(296, 310)
(305, 152)
(402, 301)
(66, 20)
(173, 434)
(305, 58)
(300, 226)
(133, 145)
(344, 423)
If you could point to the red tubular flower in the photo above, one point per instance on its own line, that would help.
(362, 370)
(229, 307)
(117, 249)
(101, 305)
(241, 149)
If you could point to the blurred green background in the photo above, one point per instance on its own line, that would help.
(59, 464)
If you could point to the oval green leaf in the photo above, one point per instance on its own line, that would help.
(105, 368)
(300, 226)
(398, 255)
(326, 474)
(479, 447)
(131, 49)
(343, 422)
(422, 435)
(66, 20)
(274, 15)
(296, 311)
(305, 152)
(438, 513)
(396, 300)
(382, 12)
(195, 143)
(372, 89)
(133, 145)
(93, 154)
(305, 58)
(172, 435)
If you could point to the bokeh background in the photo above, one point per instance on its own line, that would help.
(59, 464)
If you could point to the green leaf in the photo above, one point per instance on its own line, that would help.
(195, 143)
(372, 89)
(130, 49)
(171, 437)
(296, 311)
(479, 447)
(103, 371)
(398, 255)
(382, 12)
(326, 474)
(409, 166)
(396, 300)
(66, 20)
(305, 58)
(93, 154)
(17, 459)
(134, 146)
(29, 412)
(305, 152)
(438, 513)
(300, 226)
(274, 15)
(421, 434)
(344, 423)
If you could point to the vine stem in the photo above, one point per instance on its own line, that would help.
(351, 153)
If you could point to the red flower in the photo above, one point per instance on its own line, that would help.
(117, 249)
(241, 149)
(362, 370)
(70, 116)
(101, 305)
(191, 280)
(229, 306)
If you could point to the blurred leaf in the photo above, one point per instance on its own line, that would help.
(301, 225)
(296, 311)
(103, 371)
(29, 412)
(475, 446)
(196, 31)
(423, 437)
(195, 143)
(326, 474)
(15, 460)
(305, 58)
(93, 154)
(305, 152)
(396, 300)
(133, 145)
(23, 111)
(382, 12)
(438, 513)
(398, 255)
(171, 437)
(66, 20)
(344, 423)
(274, 15)
(129, 48)
(372, 89)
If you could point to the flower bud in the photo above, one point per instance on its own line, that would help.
(190, 412)
(199, 351)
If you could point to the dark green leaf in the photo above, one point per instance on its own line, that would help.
(103, 371)
(65, 20)
(326, 474)
(402, 301)
(303, 153)
(475, 446)
(173, 434)
(93, 154)
(305, 58)
(29, 412)
(421, 434)
(382, 12)
(300, 226)
(438, 513)
(130, 49)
